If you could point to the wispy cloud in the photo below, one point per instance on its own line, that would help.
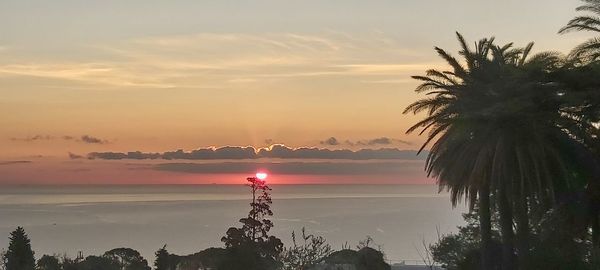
(33, 138)
(13, 162)
(83, 139)
(216, 60)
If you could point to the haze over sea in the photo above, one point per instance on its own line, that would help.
(189, 218)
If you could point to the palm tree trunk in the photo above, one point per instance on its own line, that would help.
(523, 229)
(506, 226)
(485, 226)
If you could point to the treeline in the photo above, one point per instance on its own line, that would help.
(248, 247)
(517, 136)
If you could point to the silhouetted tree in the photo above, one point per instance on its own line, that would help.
(2, 259)
(19, 255)
(48, 262)
(164, 260)
(255, 227)
(582, 82)
(590, 49)
(98, 263)
(305, 253)
(460, 251)
(71, 264)
(251, 244)
(364, 259)
(127, 259)
(498, 133)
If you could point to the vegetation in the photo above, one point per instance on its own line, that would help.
(48, 263)
(127, 259)
(164, 260)
(251, 246)
(306, 253)
(364, 259)
(517, 135)
(588, 51)
(19, 255)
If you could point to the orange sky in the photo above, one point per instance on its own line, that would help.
(159, 76)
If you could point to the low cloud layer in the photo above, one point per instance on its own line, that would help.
(34, 138)
(381, 141)
(273, 152)
(13, 162)
(82, 139)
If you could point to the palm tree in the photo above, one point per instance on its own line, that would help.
(584, 83)
(492, 128)
(582, 107)
(590, 49)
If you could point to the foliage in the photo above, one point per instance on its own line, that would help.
(48, 262)
(507, 131)
(555, 244)
(461, 251)
(127, 259)
(19, 255)
(164, 260)
(305, 253)
(590, 49)
(70, 264)
(247, 257)
(98, 263)
(364, 259)
(254, 233)
(2, 259)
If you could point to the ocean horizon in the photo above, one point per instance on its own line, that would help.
(66, 219)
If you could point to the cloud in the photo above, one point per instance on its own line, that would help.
(75, 156)
(90, 139)
(33, 138)
(277, 151)
(332, 141)
(12, 162)
(298, 168)
(218, 60)
(83, 139)
(382, 141)
(268, 141)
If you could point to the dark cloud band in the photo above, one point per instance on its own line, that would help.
(83, 139)
(274, 152)
(333, 141)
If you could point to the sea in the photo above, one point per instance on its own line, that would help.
(66, 220)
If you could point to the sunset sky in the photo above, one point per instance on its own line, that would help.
(82, 78)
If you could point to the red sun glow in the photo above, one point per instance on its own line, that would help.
(261, 175)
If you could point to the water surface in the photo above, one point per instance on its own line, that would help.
(189, 218)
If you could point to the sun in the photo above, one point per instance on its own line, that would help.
(261, 175)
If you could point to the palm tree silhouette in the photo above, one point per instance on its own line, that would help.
(590, 49)
(492, 127)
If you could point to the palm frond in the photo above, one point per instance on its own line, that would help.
(459, 70)
(525, 53)
(588, 50)
(582, 23)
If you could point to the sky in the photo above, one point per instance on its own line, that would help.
(143, 91)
